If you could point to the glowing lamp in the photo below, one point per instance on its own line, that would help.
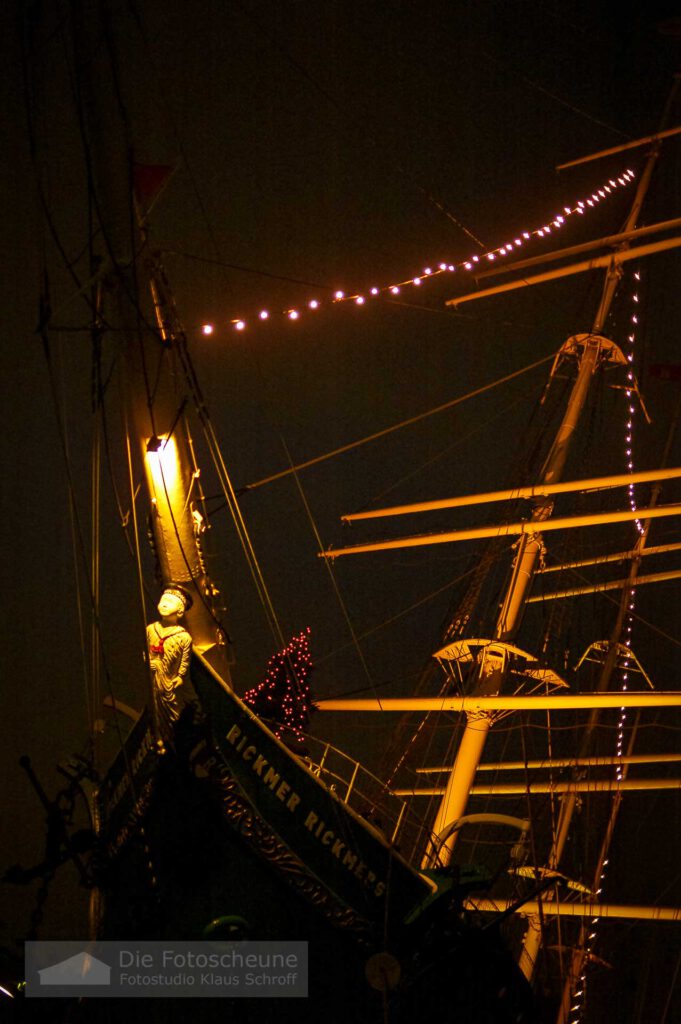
(207, 329)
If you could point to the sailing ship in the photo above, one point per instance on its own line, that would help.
(411, 883)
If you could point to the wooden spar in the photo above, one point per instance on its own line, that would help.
(543, 490)
(565, 909)
(610, 259)
(507, 702)
(610, 241)
(526, 527)
(599, 588)
(622, 148)
(557, 788)
(491, 676)
(562, 762)
(616, 556)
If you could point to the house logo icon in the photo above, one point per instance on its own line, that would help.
(81, 969)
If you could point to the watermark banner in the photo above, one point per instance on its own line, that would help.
(164, 968)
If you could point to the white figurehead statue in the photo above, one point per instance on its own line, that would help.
(170, 647)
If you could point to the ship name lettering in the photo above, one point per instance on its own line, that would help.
(337, 847)
(313, 823)
(282, 791)
(272, 778)
(135, 763)
(350, 859)
(260, 766)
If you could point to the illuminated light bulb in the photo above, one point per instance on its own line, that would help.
(468, 266)
(560, 220)
(293, 314)
(263, 314)
(313, 304)
(427, 271)
(590, 202)
(567, 209)
(608, 189)
(359, 300)
(579, 209)
(518, 241)
(239, 325)
(443, 266)
(503, 250)
(416, 281)
(637, 276)
(476, 259)
(451, 267)
(526, 234)
(490, 256)
(540, 233)
(622, 181)
(374, 291)
(338, 296)
(580, 203)
(395, 290)
(207, 329)
(547, 228)
(601, 193)
(613, 183)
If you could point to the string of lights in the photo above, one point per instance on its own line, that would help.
(468, 265)
(579, 996)
(284, 695)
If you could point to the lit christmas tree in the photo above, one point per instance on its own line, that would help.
(284, 698)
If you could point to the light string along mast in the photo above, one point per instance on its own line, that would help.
(579, 997)
(468, 265)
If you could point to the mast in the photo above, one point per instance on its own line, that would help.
(493, 669)
(533, 936)
(153, 348)
(494, 665)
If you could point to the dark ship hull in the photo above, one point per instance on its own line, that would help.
(208, 842)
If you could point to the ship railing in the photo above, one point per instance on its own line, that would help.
(367, 795)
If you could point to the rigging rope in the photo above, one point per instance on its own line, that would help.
(334, 581)
(398, 426)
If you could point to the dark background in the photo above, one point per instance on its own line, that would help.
(317, 146)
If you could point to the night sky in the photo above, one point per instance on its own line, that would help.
(321, 146)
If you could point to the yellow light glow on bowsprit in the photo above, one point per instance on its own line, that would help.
(163, 462)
